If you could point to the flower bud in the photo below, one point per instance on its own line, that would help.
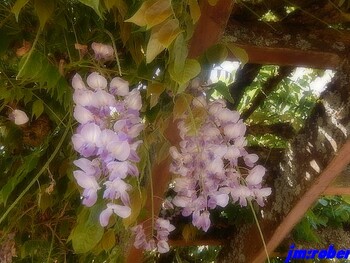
(18, 117)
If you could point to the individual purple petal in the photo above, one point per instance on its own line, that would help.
(151, 245)
(117, 189)
(102, 51)
(260, 194)
(119, 87)
(86, 181)
(201, 220)
(255, 175)
(78, 83)
(117, 170)
(241, 193)
(104, 99)
(18, 117)
(232, 153)
(89, 167)
(91, 133)
(221, 199)
(106, 137)
(233, 131)
(163, 246)
(96, 81)
(215, 108)
(120, 125)
(119, 150)
(182, 201)
(225, 115)
(85, 141)
(135, 130)
(105, 215)
(175, 153)
(216, 166)
(84, 97)
(90, 197)
(164, 224)
(240, 142)
(250, 159)
(132, 170)
(133, 100)
(121, 210)
(82, 115)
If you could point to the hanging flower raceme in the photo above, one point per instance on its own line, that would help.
(158, 242)
(106, 138)
(212, 164)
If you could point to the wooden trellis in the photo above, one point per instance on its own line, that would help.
(318, 153)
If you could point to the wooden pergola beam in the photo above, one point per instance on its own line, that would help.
(210, 26)
(289, 57)
(197, 242)
(288, 45)
(336, 166)
(319, 152)
(334, 190)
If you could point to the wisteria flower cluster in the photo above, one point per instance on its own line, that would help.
(212, 166)
(106, 139)
(163, 227)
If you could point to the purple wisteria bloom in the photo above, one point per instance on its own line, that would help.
(106, 137)
(102, 51)
(206, 164)
(159, 242)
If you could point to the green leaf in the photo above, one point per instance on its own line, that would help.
(109, 4)
(222, 88)
(168, 31)
(181, 105)
(37, 108)
(158, 12)
(28, 165)
(179, 53)
(94, 4)
(190, 70)
(154, 90)
(346, 199)
(88, 232)
(239, 53)
(217, 53)
(108, 240)
(151, 13)
(137, 201)
(161, 37)
(31, 248)
(195, 10)
(32, 68)
(154, 48)
(44, 9)
(17, 7)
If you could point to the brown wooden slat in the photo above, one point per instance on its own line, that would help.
(340, 161)
(333, 190)
(197, 242)
(210, 26)
(289, 57)
(288, 45)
